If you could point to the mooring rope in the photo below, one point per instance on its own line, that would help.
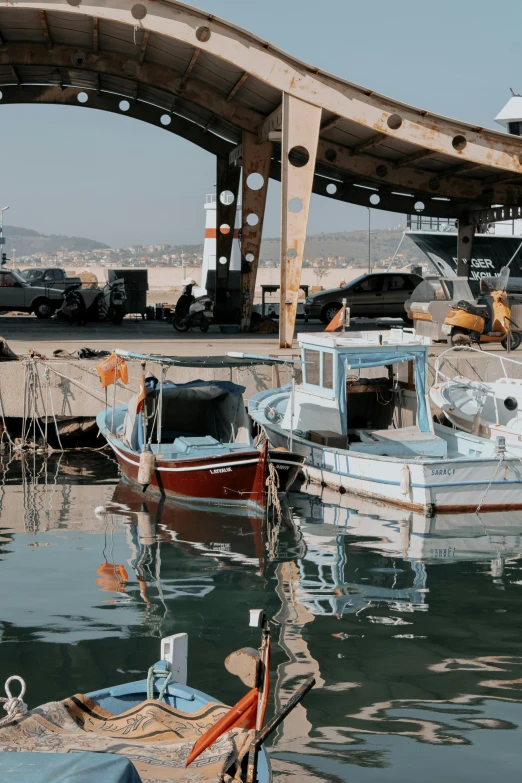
(14, 705)
(490, 483)
(152, 673)
(272, 483)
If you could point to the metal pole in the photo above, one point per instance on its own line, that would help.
(292, 395)
(369, 241)
(114, 393)
(160, 408)
(2, 240)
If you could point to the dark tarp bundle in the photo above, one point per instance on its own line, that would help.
(6, 354)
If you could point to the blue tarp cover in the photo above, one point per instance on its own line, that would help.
(66, 768)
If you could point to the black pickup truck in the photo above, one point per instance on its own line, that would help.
(51, 276)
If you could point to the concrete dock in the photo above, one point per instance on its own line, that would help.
(72, 388)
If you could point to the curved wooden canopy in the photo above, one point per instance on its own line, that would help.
(208, 81)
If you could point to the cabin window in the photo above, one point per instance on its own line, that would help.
(327, 371)
(318, 369)
(312, 367)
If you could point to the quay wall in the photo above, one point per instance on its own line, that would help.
(75, 391)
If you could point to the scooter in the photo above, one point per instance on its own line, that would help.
(484, 322)
(111, 303)
(200, 313)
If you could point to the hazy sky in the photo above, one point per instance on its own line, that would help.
(75, 171)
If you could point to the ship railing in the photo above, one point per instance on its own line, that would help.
(446, 355)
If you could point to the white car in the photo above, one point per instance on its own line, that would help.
(17, 295)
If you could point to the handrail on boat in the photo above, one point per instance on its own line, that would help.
(438, 364)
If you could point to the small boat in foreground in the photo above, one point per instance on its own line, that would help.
(371, 432)
(157, 730)
(487, 409)
(192, 440)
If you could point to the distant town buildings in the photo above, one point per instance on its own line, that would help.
(135, 256)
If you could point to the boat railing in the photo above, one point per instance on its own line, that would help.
(444, 357)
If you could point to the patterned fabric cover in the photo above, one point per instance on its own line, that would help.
(155, 737)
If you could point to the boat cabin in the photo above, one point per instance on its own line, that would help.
(366, 392)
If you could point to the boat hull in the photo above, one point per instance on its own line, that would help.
(233, 479)
(120, 698)
(433, 485)
(288, 466)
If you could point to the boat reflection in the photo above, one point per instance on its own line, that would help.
(377, 569)
(230, 537)
(332, 523)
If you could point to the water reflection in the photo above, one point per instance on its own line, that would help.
(411, 626)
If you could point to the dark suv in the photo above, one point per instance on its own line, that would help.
(379, 295)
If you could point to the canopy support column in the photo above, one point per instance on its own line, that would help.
(301, 125)
(256, 160)
(465, 246)
(227, 282)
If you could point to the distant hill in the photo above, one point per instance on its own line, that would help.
(28, 242)
(351, 245)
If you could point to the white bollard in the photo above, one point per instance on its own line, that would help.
(174, 650)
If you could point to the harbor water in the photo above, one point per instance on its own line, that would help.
(411, 626)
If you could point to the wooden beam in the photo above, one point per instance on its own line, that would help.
(143, 49)
(415, 157)
(45, 29)
(188, 69)
(96, 35)
(240, 82)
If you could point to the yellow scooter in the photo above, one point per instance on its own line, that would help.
(466, 321)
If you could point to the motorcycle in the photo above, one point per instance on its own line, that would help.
(200, 313)
(112, 301)
(83, 305)
(73, 306)
(487, 321)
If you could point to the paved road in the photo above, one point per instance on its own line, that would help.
(24, 332)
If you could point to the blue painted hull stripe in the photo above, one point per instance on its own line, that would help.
(417, 486)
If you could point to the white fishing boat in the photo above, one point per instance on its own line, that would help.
(487, 409)
(362, 420)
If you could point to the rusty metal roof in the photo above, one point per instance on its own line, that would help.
(169, 64)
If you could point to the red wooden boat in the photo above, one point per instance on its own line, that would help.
(193, 440)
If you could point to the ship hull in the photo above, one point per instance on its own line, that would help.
(490, 253)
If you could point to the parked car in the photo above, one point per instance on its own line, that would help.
(379, 295)
(16, 294)
(52, 276)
